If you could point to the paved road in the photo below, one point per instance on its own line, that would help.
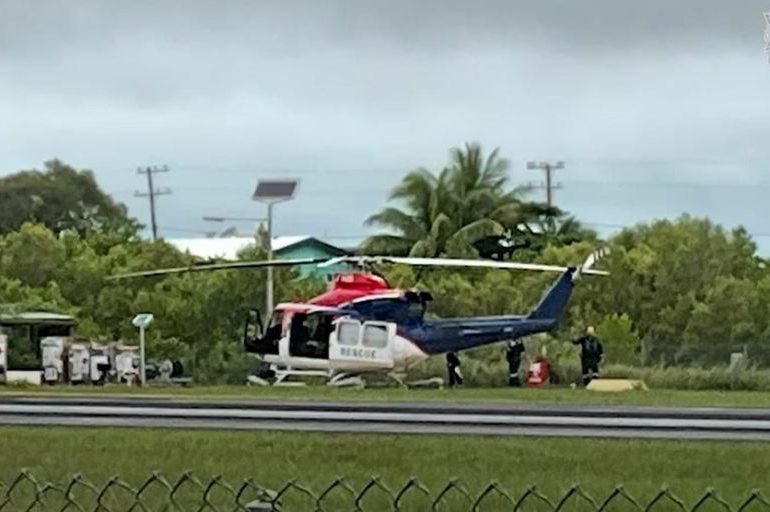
(389, 417)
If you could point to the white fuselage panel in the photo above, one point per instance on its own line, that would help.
(400, 355)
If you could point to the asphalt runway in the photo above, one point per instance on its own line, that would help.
(389, 417)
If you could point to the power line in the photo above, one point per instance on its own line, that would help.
(549, 186)
(753, 234)
(605, 225)
(249, 235)
(152, 192)
(206, 168)
(666, 184)
(186, 230)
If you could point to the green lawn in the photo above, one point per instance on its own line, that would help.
(54, 454)
(552, 395)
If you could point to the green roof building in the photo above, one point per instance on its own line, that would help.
(301, 247)
(284, 247)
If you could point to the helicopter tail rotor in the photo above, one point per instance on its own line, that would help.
(555, 300)
(591, 260)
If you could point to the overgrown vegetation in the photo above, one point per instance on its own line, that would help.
(199, 318)
(683, 294)
(316, 459)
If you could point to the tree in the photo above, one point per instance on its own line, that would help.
(59, 197)
(199, 317)
(33, 255)
(423, 194)
(684, 282)
(441, 209)
(621, 343)
(469, 200)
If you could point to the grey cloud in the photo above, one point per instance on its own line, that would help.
(208, 47)
(281, 28)
(363, 84)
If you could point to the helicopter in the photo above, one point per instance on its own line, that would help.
(362, 325)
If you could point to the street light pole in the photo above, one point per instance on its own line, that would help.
(271, 192)
(142, 366)
(269, 221)
(141, 321)
(269, 292)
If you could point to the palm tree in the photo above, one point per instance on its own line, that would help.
(455, 205)
(543, 225)
(468, 200)
(420, 191)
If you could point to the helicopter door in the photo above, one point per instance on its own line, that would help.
(362, 346)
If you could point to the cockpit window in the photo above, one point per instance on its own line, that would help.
(348, 332)
(375, 336)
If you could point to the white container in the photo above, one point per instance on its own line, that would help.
(126, 362)
(80, 362)
(99, 358)
(3, 355)
(25, 376)
(52, 348)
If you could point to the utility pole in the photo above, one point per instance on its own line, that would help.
(152, 192)
(548, 168)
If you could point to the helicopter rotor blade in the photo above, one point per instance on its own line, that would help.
(364, 260)
(218, 266)
(466, 263)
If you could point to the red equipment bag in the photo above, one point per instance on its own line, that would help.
(538, 372)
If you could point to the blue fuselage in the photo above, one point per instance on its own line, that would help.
(454, 334)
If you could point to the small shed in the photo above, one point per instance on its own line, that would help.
(300, 247)
(284, 247)
(25, 330)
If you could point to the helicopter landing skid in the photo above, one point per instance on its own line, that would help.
(282, 376)
(340, 380)
(435, 382)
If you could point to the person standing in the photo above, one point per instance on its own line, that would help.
(513, 356)
(453, 368)
(591, 354)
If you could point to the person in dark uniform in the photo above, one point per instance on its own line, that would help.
(453, 368)
(513, 355)
(591, 353)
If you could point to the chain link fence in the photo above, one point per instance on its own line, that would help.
(188, 493)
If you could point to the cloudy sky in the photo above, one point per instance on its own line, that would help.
(657, 107)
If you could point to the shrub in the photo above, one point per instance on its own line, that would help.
(564, 372)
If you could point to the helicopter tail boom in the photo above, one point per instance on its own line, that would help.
(555, 300)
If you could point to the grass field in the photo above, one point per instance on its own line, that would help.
(545, 395)
(54, 454)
